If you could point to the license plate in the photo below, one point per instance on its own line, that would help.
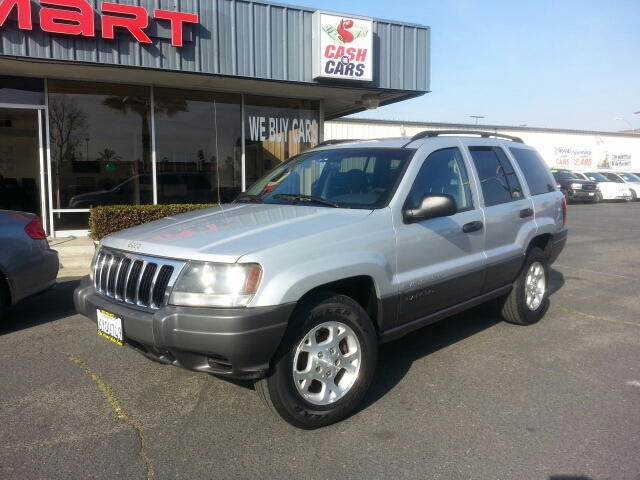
(591, 194)
(110, 327)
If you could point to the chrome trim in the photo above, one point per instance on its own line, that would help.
(118, 273)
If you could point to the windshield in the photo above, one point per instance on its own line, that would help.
(629, 177)
(597, 177)
(564, 174)
(346, 177)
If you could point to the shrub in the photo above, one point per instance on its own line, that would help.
(106, 220)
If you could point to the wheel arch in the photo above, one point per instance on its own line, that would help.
(360, 288)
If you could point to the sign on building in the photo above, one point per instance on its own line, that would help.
(342, 47)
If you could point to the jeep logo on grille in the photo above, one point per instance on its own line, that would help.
(134, 246)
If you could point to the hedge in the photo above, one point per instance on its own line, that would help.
(106, 220)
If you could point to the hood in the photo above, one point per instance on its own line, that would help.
(227, 232)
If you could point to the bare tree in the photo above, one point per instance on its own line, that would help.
(67, 127)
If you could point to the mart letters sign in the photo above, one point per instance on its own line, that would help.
(342, 47)
(77, 17)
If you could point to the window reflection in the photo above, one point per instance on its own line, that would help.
(198, 138)
(276, 129)
(100, 137)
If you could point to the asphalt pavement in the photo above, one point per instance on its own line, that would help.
(469, 397)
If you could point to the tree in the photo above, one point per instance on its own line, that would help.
(108, 155)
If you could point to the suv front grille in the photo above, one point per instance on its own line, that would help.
(135, 279)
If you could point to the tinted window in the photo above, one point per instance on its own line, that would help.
(497, 178)
(443, 172)
(535, 170)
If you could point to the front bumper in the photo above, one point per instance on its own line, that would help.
(579, 195)
(233, 342)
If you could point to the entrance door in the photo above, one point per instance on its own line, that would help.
(21, 160)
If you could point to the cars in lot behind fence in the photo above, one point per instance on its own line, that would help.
(574, 188)
(629, 180)
(608, 189)
(27, 265)
(338, 249)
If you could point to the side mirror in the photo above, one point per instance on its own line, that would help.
(431, 206)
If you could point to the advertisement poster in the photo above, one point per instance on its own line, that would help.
(343, 47)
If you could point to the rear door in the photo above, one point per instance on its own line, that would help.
(508, 213)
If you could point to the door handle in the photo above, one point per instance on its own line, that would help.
(527, 212)
(472, 227)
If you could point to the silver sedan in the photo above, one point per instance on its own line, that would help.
(27, 265)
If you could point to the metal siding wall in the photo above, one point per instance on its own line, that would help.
(261, 44)
(244, 20)
(234, 37)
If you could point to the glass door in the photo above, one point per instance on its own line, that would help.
(21, 158)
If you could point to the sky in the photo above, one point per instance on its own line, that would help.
(569, 64)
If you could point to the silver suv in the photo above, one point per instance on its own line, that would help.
(343, 247)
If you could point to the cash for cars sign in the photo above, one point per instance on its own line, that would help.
(342, 47)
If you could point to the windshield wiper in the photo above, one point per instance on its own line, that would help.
(304, 198)
(243, 197)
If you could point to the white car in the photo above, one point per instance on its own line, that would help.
(629, 180)
(609, 190)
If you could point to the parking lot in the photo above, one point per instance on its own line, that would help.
(469, 397)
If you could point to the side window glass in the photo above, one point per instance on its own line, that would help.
(443, 172)
(535, 170)
(512, 179)
(499, 182)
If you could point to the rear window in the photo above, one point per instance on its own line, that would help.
(534, 169)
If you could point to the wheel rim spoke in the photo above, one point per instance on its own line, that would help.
(535, 285)
(327, 363)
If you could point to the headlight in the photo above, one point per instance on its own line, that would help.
(576, 186)
(203, 284)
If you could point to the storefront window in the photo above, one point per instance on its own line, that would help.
(21, 90)
(100, 137)
(198, 146)
(276, 129)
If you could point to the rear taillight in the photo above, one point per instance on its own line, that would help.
(564, 212)
(34, 229)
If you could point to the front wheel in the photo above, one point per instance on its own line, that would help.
(529, 299)
(324, 365)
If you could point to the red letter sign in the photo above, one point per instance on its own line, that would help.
(177, 19)
(56, 20)
(24, 12)
(134, 24)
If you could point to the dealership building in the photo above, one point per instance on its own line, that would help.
(560, 148)
(158, 101)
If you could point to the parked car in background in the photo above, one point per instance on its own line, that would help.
(628, 179)
(27, 265)
(173, 187)
(574, 188)
(609, 190)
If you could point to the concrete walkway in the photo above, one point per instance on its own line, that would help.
(75, 254)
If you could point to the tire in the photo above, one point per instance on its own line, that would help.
(301, 385)
(596, 199)
(634, 196)
(528, 301)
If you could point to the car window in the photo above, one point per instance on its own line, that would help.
(498, 180)
(443, 172)
(629, 177)
(534, 169)
(564, 174)
(345, 177)
(596, 177)
(613, 177)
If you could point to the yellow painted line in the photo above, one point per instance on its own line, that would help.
(594, 317)
(122, 415)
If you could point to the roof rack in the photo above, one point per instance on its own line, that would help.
(437, 133)
(335, 142)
